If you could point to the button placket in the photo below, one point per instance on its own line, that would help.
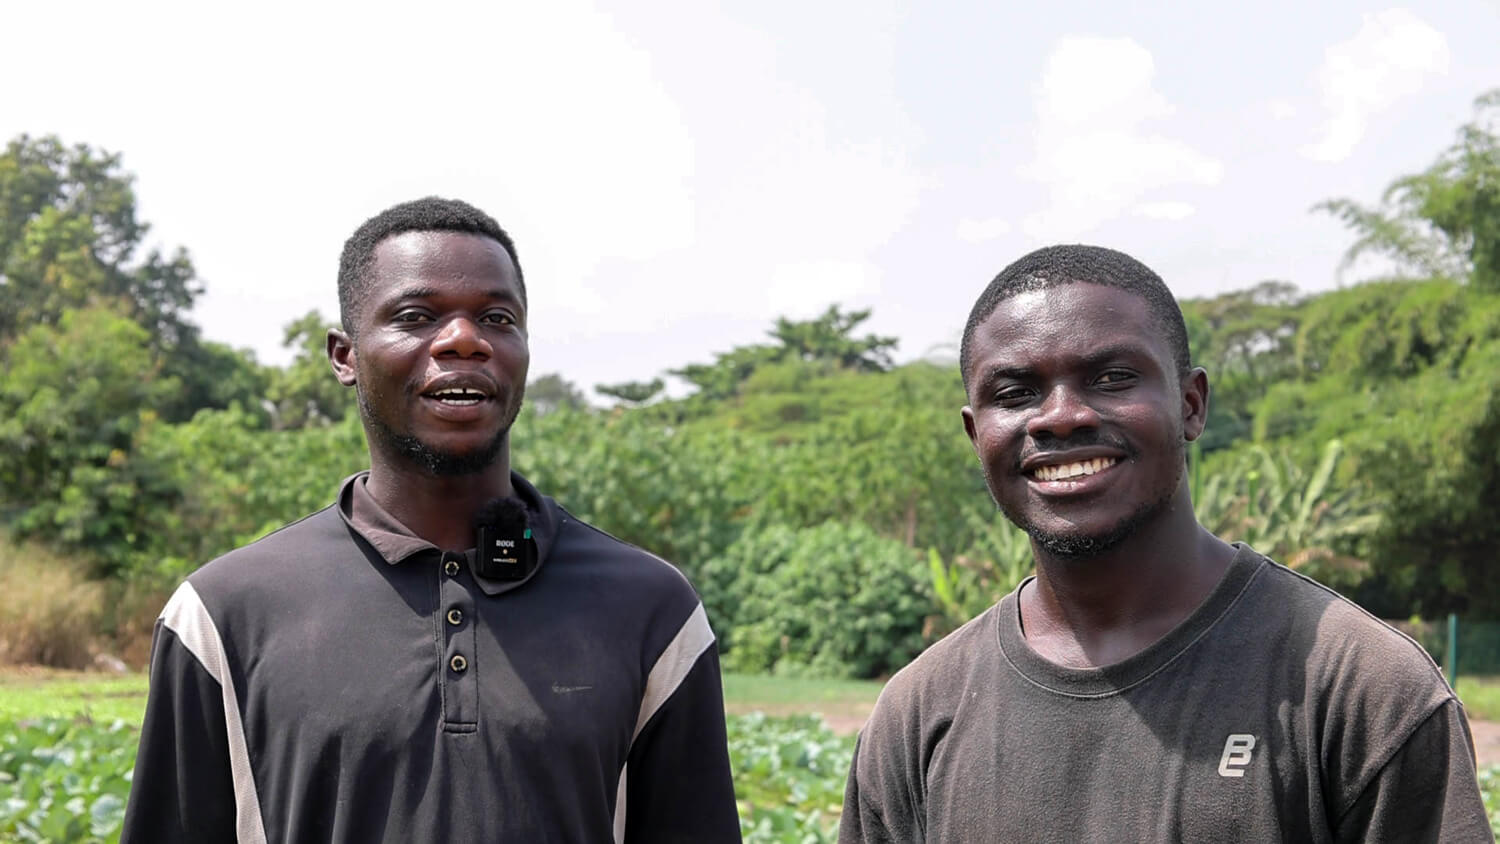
(459, 671)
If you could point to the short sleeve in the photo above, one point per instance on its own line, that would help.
(1428, 791)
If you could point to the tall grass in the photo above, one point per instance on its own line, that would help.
(49, 613)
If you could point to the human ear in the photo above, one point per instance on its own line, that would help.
(341, 356)
(968, 415)
(1194, 403)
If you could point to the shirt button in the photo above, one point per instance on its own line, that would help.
(450, 568)
(455, 617)
(458, 664)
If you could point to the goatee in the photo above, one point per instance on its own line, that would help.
(435, 462)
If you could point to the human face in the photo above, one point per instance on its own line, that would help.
(1079, 416)
(439, 355)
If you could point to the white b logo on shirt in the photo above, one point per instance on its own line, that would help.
(1236, 755)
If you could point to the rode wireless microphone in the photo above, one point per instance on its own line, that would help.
(503, 547)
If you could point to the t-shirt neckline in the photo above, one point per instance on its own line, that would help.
(1116, 678)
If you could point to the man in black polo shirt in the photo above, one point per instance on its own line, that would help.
(365, 675)
(1151, 683)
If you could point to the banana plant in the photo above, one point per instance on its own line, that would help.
(1299, 518)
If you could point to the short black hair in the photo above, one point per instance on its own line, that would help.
(1080, 264)
(429, 214)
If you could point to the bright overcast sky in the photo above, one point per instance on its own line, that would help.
(678, 174)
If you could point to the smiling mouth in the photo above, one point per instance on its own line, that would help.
(457, 396)
(1078, 469)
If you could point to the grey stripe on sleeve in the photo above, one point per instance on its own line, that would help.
(186, 617)
(671, 668)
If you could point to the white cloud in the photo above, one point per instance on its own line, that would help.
(1169, 210)
(979, 231)
(1391, 57)
(1095, 152)
(1280, 109)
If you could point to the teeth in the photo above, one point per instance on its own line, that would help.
(461, 396)
(1073, 470)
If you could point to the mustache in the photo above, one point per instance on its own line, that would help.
(1081, 439)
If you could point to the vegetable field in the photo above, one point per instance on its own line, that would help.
(67, 779)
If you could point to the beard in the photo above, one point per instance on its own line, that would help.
(1079, 546)
(434, 461)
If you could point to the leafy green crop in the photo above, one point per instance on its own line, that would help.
(788, 777)
(64, 780)
(67, 780)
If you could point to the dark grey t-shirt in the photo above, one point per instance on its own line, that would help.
(1278, 711)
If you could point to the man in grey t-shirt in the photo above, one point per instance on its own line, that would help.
(1151, 682)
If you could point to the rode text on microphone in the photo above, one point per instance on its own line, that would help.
(503, 547)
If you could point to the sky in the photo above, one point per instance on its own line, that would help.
(676, 175)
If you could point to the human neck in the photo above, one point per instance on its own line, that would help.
(439, 509)
(1100, 610)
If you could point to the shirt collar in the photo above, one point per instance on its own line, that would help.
(396, 544)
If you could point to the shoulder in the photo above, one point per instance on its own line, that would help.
(582, 545)
(1368, 687)
(923, 695)
(1344, 644)
(278, 558)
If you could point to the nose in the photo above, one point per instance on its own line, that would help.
(1064, 412)
(461, 337)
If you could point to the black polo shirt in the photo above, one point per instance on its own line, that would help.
(344, 680)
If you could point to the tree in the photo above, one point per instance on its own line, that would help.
(1245, 340)
(829, 337)
(551, 392)
(72, 400)
(1444, 221)
(69, 237)
(633, 393)
(305, 393)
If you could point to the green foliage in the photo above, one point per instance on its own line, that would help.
(1489, 790)
(1444, 221)
(832, 600)
(1244, 339)
(64, 780)
(996, 564)
(1288, 511)
(232, 482)
(789, 776)
(1406, 375)
(305, 393)
(69, 237)
(683, 493)
(828, 338)
(72, 400)
(551, 392)
(632, 392)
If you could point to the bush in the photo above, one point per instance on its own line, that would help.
(835, 600)
(49, 614)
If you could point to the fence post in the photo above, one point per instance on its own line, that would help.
(1453, 650)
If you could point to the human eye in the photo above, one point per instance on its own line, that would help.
(1012, 396)
(1115, 378)
(410, 315)
(499, 318)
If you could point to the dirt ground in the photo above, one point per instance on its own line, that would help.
(1486, 741)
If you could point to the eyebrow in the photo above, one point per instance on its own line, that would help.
(1095, 358)
(497, 294)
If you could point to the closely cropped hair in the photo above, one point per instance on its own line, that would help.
(1073, 264)
(431, 214)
